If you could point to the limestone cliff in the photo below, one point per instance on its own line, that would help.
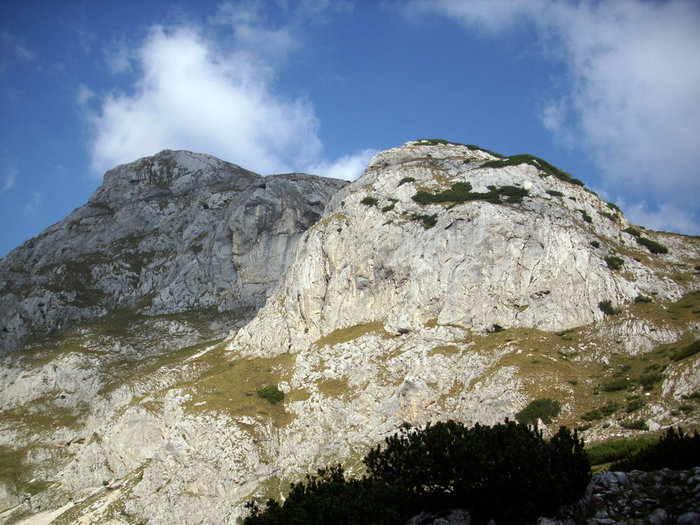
(174, 232)
(486, 263)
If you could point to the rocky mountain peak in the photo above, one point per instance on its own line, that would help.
(454, 234)
(176, 231)
(170, 173)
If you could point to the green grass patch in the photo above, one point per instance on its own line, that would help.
(343, 335)
(406, 180)
(555, 193)
(617, 384)
(230, 386)
(336, 387)
(632, 231)
(687, 351)
(616, 449)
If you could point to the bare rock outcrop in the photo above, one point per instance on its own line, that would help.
(174, 232)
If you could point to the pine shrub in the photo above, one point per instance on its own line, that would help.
(544, 409)
(508, 472)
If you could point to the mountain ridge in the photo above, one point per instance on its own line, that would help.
(370, 306)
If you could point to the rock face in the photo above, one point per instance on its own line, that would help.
(379, 310)
(174, 232)
(482, 265)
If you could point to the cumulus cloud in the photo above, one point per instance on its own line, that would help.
(212, 89)
(192, 95)
(347, 167)
(631, 97)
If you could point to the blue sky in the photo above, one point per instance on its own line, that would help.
(609, 92)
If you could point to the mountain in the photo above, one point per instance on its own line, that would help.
(176, 232)
(446, 282)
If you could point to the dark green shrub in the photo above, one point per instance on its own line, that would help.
(406, 179)
(369, 201)
(652, 246)
(642, 299)
(555, 193)
(634, 425)
(462, 192)
(616, 384)
(507, 472)
(615, 449)
(599, 413)
(614, 263)
(649, 379)
(595, 244)
(428, 220)
(632, 231)
(544, 166)
(613, 206)
(544, 409)
(609, 408)
(585, 216)
(611, 216)
(607, 308)
(634, 403)
(389, 207)
(691, 349)
(675, 451)
(330, 497)
(271, 393)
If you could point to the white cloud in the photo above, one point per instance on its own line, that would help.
(33, 204)
(632, 97)
(9, 182)
(13, 50)
(84, 95)
(347, 167)
(192, 95)
(665, 218)
(119, 56)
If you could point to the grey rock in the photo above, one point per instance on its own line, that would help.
(173, 232)
(658, 517)
(689, 518)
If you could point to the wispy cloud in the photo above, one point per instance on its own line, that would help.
(84, 95)
(13, 50)
(33, 204)
(9, 182)
(630, 100)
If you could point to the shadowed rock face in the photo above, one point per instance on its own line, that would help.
(168, 233)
